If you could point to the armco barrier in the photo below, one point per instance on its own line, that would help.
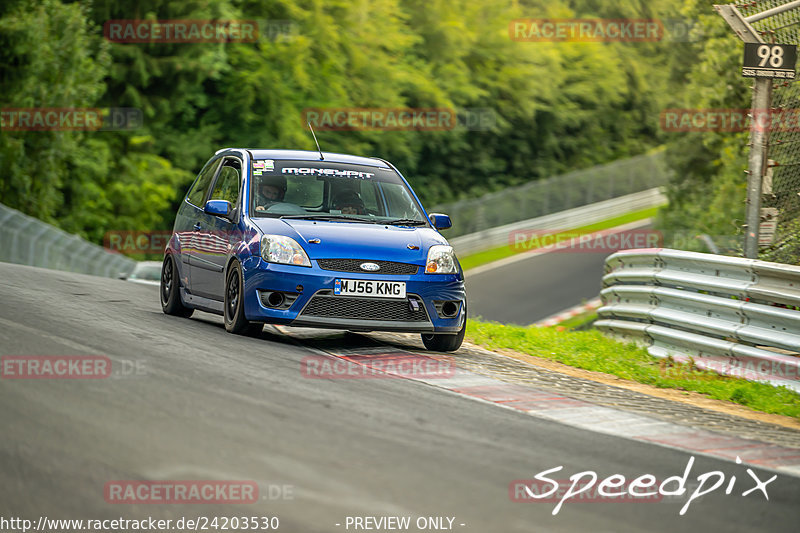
(557, 194)
(29, 241)
(738, 317)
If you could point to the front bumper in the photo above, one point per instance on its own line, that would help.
(346, 312)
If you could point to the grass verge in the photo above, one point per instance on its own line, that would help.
(577, 322)
(591, 350)
(501, 252)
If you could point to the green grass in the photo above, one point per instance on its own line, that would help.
(577, 321)
(591, 350)
(501, 252)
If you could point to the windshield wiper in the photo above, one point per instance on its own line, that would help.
(322, 216)
(406, 222)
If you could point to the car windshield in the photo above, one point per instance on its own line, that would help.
(331, 191)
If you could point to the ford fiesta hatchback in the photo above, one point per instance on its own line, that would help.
(313, 239)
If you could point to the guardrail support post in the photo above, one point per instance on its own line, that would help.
(759, 139)
(759, 136)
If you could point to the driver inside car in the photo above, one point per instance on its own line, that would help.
(271, 190)
(349, 203)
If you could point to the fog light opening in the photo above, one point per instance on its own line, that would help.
(450, 309)
(275, 299)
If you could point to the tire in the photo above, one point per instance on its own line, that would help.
(444, 342)
(235, 321)
(170, 290)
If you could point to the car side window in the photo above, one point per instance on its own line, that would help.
(399, 203)
(228, 182)
(197, 194)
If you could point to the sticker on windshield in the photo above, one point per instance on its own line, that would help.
(265, 165)
(298, 171)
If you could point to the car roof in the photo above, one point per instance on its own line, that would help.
(307, 155)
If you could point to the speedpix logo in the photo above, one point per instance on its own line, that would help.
(617, 488)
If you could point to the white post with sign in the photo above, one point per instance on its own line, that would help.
(764, 62)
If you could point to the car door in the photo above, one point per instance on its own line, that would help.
(214, 234)
(187, 216)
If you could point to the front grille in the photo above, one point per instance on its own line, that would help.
(354, 265)
(329, 306)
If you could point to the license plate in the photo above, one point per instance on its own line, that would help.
(369, 287)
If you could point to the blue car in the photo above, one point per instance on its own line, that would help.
(313, 239)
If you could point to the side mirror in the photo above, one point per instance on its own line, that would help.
(220, 208)
(440, 221)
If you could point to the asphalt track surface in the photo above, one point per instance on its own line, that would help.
(205, 404)
(526, 291)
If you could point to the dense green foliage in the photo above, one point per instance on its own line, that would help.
(557, 106)
(707, 195)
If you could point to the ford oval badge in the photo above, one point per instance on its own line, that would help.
(370, 267)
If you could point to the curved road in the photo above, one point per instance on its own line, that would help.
(533, 289)
(204, 404)
(530, 287)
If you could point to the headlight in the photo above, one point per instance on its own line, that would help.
(283, 250)
(441, 260)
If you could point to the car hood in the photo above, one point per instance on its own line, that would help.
(353, 240)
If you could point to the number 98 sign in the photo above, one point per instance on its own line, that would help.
(764, 60)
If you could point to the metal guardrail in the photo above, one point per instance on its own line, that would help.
(563, 220)
(738, 317)
(558, 193)
(29, 241)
